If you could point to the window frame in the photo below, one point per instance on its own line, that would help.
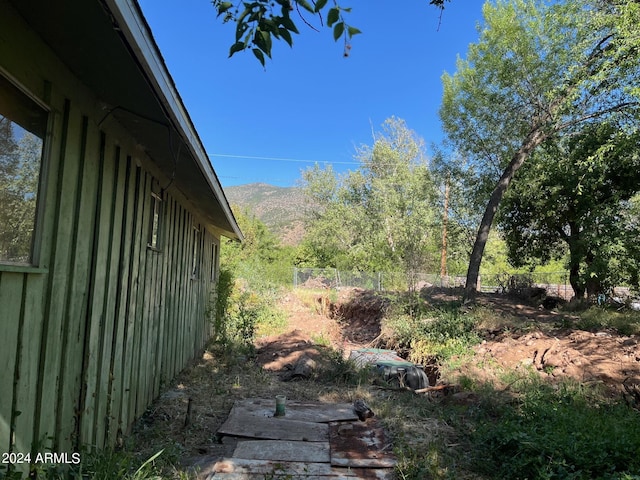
(215, 256)
(34, 264)
(155, 210)
(196, 253)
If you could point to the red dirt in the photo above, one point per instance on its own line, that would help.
(354, 322)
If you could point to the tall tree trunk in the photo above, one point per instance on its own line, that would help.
(535, 138)
(445, 219)
(576, 256)
(575, 281)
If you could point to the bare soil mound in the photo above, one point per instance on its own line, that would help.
(532, 338)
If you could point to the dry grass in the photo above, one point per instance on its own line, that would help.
(217, 380)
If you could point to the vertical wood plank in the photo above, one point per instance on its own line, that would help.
(155, 299)
(184, 284)
(27, 380)
(127, 282)
(100, 324)
(52, 332)
(78, 288)
(11, 285)
(161, 300)
(179, 253)
(142, 319)
(56, 137)
(129, 353)
(169, 307)
(115, 302)
(109, 241)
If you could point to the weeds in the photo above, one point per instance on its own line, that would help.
(110, 464)
(513, 426)
(443, 332)
(562, 431)
(242, 314)
(597, 318)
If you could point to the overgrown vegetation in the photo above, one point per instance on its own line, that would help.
(566, 430)
(597, 318)
(424, 332)
(506, 425)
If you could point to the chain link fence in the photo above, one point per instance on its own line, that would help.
(556, 283)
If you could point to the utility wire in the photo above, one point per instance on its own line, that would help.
(279, 159)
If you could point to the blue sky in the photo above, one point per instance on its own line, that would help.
(310, 103)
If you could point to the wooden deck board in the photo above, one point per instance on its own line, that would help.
(303, 411)
(283, 451)
(237, 468)
(313, 441)
(273, 428)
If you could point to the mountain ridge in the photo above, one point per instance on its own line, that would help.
(281, 209)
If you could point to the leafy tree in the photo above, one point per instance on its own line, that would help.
(539, 71)
(380, 216)
(460, 182)
(572, 195)
(260, 260)
(258, 22)
(259, 242)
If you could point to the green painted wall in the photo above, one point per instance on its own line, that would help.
(91, 333)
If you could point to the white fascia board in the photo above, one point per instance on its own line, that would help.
(138, 34)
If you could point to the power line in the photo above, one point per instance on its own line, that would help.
(279, 159)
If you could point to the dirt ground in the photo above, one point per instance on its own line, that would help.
(517, 336)
(524, 336)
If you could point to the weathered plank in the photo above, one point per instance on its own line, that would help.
(363, 474)
(95, 320)
(107, 241)
(29, 353)
(142, 319)
(241, 425)
(117, 298)
(128, 282)
(77, 294)
(360, 445)
(274, 469)
(11, 285)
(169, 240)
(303, 411)
(50, 359)
(283, 451)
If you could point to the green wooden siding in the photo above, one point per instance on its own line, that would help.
(91, 335)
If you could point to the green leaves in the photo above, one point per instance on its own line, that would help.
(320, 4)
(222, 7)
(380, 216)
(259, 17)
(258, 23)
(333, 16)
(338, 30)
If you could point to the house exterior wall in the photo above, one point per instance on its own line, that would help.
(101, 321)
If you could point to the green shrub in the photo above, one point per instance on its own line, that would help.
(427, 331)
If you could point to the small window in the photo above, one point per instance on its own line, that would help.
(154, 222)
(214, 262)
(195, 265)
(23, 126)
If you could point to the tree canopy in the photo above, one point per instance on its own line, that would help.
(539, 71)
(259, 22)
(574, 195)
(380, 216)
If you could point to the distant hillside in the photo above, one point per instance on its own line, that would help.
(280, 208)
